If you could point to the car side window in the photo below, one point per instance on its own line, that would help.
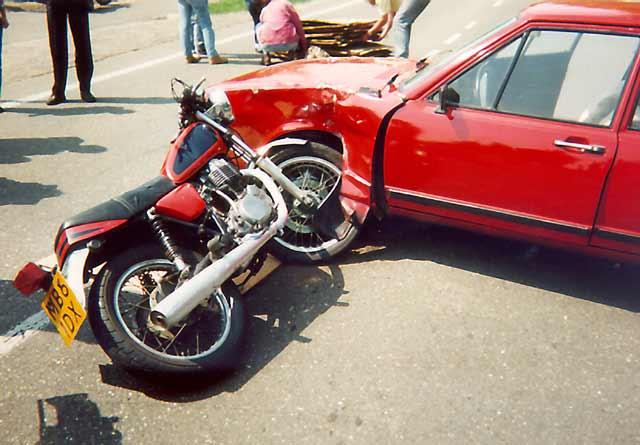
(570, 76)
(635, 120)
(478, 87)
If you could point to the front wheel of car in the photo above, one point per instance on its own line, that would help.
(317, 168)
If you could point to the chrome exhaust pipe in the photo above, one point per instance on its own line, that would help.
(179, 303)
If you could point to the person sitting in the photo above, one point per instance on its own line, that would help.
(280, 30)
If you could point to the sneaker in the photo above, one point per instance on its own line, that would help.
(55, 100)
(192, 59)
(218, 60)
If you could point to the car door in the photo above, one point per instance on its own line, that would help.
(528, 146)
(618, 222)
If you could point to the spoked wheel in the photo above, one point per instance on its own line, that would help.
(317, 168)
(207, 340)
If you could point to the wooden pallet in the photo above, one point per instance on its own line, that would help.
(343, 39)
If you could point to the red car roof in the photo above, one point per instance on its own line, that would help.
(597, 12)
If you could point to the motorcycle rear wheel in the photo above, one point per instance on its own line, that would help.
(207, 341)
(315, 167)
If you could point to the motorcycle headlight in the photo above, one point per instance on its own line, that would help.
(220, 108)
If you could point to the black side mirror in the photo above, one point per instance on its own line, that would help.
(447, 96)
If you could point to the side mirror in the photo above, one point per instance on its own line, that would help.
(447, 96)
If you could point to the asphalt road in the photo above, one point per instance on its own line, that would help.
(420, 335)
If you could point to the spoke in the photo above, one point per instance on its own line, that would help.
(326, 185)
(304, 180)
(174, 338)
(134, 306)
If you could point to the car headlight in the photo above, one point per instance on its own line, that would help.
(220, 108)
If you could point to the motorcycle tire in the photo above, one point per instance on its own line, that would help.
(307, 166)
(119, 320)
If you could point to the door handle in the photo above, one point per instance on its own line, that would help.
(582, 148)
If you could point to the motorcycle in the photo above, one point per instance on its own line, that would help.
(162, 263)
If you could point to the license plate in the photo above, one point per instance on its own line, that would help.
(63, 309)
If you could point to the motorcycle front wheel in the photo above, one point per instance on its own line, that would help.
(207, 341)
(317, 168)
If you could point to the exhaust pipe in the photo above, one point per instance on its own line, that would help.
(179, 303)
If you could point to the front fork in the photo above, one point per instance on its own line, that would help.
(308, 199)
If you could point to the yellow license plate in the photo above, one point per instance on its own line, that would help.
(63, 309)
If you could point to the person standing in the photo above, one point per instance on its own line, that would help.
(255, 8)
(200, 8)
(4, 23)
(407, 14)
(76, 12)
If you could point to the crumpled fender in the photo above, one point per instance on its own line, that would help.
(352, 207)
(265, 149)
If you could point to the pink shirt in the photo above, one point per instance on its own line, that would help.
(280, 24)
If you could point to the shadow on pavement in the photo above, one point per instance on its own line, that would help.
(17, 309)
(280, 309)
(67, 111)
(137, 100)
(243, 59)
(294, 296)
(78, 420)
(16, 151)
(574, 275)
(25, 193)
(111, 7)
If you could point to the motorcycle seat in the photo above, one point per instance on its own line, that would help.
(125, 206)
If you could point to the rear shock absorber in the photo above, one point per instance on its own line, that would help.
(165, 239)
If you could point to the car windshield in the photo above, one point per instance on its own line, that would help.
(442, 59)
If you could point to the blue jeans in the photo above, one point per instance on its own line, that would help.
(406, 15)
(275, 47)
(200, 8)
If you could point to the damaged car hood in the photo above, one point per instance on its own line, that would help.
(347, 75)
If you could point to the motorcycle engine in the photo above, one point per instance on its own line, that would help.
(246, 207)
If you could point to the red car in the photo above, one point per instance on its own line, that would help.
(532, 131)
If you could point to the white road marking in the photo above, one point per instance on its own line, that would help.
(22, 332)
(432, 53)
(152, 63)
(470, 25)
(452, 39)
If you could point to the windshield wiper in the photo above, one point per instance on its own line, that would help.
(378, 92)
(420, 64)
(390, 81)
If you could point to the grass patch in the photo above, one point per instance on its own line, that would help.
(224, 6)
